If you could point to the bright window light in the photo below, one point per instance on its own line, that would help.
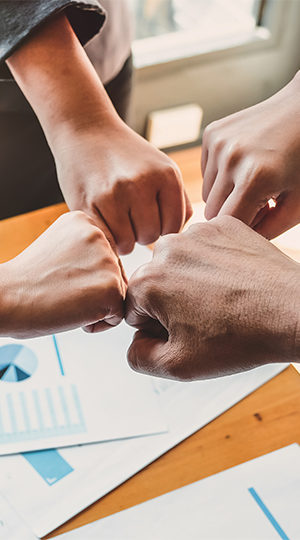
(166, 29)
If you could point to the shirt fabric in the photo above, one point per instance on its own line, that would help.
(108, 50)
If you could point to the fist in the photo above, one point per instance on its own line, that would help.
(69, 277)
(133, 192)
(215, 300)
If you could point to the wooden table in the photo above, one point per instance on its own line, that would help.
(266, 420)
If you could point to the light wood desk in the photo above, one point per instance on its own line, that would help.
(266, 420)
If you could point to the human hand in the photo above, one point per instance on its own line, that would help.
(69, 277)
(132, 191)
(253, 156)
(215, 300)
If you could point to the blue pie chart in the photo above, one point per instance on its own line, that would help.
(17, 363)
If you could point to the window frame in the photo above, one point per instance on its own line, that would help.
(266, 60)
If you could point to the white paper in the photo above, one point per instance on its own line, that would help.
(256, 500)
(96, 398)
(73, 388)
(48, 488)
(12, 527)
(48, 496)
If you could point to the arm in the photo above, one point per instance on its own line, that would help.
(131, 190)
(253, 156)
(69, 277)
(19, 21)
(215, 300)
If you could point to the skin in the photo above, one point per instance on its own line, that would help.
(215, 300)
(133, 191)
(253, 156)
(70, 277)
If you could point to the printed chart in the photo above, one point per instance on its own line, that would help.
(17, 363)
(40, 412)
(71, 389)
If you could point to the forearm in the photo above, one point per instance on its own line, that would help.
(59, 81)
(10, 308)
(283, 322)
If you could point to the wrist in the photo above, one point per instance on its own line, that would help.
(287, 315)
(10, 304)
(71, 129)
(56, 76)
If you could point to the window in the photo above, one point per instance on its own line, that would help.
(168, 29)
(224, 55)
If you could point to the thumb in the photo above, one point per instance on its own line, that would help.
(149, 355)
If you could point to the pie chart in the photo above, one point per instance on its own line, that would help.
(17, 363)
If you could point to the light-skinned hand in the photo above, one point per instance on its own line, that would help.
(69, 277)
(253, 156)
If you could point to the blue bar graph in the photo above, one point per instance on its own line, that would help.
(49, 464)
(268, 514)
(41, 413)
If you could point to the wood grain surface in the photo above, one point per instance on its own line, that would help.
(264, 421)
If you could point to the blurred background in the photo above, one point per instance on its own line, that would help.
(223, 55)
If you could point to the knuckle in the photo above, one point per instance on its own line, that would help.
(234, 153)
(146, 284)
(93, 235)
(260, 175)
(218, 143)
(125, 246)
(148, 237)
(172, 172)
(122, 186)
(209, 130)
(164, 247)
(224, 222)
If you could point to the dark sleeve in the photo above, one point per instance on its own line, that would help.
(18, 19)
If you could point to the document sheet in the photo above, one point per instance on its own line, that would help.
(12, 527)
(50, 486)
(256, 500)
(71, 389)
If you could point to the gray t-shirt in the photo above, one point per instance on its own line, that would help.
(108, 49)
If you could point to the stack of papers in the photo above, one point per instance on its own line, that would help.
(259, 499)
(60, 392)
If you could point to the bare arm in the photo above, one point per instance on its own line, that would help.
(104, 168)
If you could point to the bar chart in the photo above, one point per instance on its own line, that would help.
(42, 412)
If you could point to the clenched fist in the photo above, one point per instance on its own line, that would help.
(215, 300)
(133, 192)
(69, 277)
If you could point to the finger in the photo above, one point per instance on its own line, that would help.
(137, 313)
(188, 207)
(101, 223)
(146, 221)
(119, 222)
(172, 207)
(204, 156)
(209, 175)
(101, 326)
(261, 214)
(149, 355)
(220, 191)
(124, 277)
(109, 321)
(242, 204)
(283, 216)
